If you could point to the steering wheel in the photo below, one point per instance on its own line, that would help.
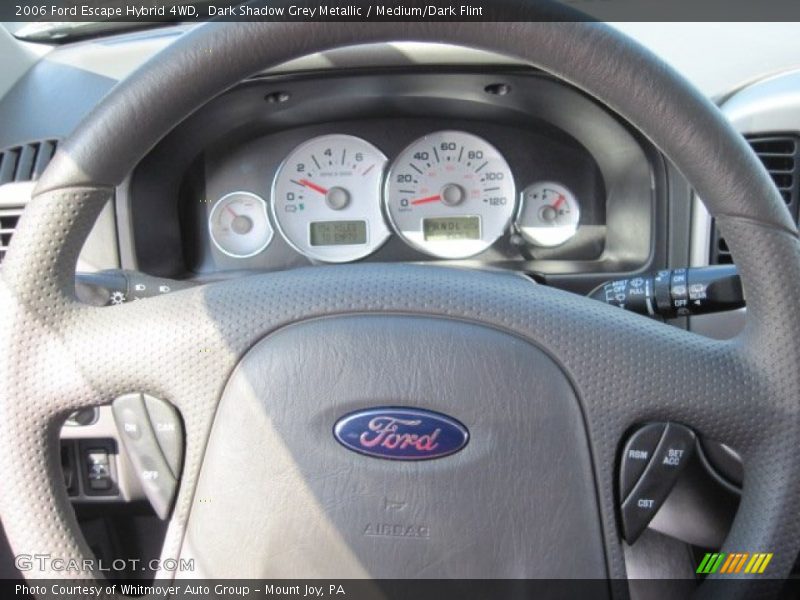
(261, 367)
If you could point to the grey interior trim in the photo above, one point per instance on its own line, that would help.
(101, 250)
(122, 208)
(17, 194)
(700, 245)
(17, 59)
(127, 479)
(770, 105)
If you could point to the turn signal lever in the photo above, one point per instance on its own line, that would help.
(116, 286)
(676, 293)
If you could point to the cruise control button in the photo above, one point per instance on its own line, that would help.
(637, 455)
(144, 452)
(130, 415)
(653, 487)
(675, 448)
(167, 427)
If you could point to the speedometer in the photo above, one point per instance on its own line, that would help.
(326, 198)
(450, 194)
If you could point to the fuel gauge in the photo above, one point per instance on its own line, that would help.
(548, 214)
(239, 225)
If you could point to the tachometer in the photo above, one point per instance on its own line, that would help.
(326, 198)
(450, 194)
(239, 225)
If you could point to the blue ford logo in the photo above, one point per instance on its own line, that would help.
(401, 433)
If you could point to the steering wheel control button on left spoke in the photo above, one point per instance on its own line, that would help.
(637, 454)
(167, 427)
(142, 444)
(670, 457)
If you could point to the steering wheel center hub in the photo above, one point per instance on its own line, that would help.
(397, 518)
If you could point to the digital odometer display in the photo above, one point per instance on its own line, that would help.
(451, 228)
(337, 233)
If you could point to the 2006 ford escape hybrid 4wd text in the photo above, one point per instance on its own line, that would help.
(418, 301)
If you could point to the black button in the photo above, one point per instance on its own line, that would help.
(669, 459)
(99, 478)
(637, 454)
(131, 416)
(144, 452)
(167, 428)
(661, 292)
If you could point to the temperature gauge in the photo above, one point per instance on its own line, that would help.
(548, 214)
(239, 225)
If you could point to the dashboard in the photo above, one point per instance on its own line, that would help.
(504, 168)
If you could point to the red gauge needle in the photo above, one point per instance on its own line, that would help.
(313, 186)
(230, 210)
(435, 198)
(559, 202)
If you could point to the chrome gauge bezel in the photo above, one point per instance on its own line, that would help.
(377, 230)
(489, 231)
(218, 206)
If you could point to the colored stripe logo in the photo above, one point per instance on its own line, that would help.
(734, 562)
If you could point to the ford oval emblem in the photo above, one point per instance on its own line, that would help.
(401, 433)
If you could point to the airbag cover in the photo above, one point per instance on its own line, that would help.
(279, 497)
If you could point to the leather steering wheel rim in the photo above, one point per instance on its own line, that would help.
(61, 355)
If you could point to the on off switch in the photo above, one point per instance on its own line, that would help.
(146, 428)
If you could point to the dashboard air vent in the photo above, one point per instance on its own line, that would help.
(25, 163)
(20, 164)
(781, 157)
(8, 223)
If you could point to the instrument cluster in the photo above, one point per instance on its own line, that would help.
(337, 198)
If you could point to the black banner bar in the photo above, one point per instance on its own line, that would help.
(164, 11)
(383, 589)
